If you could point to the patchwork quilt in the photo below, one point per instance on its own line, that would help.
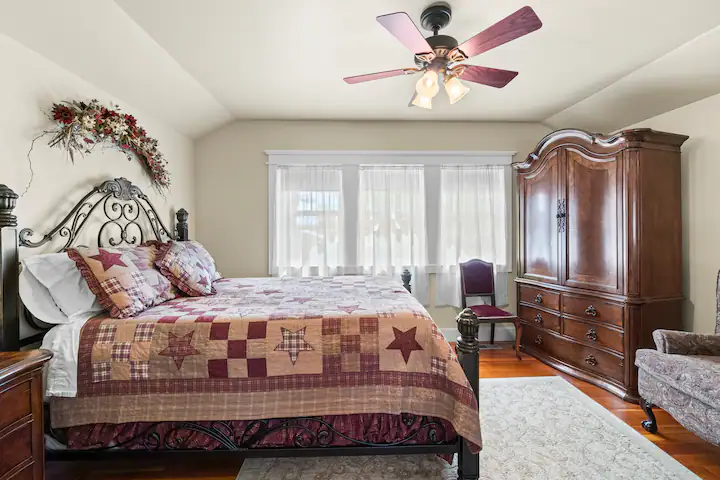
(271, 348)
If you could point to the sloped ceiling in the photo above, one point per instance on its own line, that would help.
(199, 64)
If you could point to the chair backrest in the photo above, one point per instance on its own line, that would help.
(717, 311)
(477, 279)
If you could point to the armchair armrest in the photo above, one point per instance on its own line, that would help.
(686, 343)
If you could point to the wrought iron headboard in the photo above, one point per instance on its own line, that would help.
(122, 204)
(129, 219)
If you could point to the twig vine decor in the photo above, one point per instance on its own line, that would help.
(80, 127)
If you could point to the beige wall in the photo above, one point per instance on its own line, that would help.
(700, 197)
(29, 84)
(231, 173)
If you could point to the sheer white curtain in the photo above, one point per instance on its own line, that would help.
(309, 221)
(392, 234)
(473, 224)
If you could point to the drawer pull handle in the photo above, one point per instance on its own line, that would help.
(591, 335)
(538, 340)
(538, 298)
(591, 360)
(538, 318)
(591, 311)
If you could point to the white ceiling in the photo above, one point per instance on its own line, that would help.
(197, 64)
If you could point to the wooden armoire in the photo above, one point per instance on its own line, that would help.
(600, 251)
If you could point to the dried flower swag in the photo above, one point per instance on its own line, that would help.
(81, 126)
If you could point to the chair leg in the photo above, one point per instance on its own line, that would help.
(518, 336)
(651, 423)
(492, 333)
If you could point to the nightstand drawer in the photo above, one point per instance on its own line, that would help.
(22, 445)
(14, 404)
(15, 448)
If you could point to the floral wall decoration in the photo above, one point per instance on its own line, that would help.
(80, 127)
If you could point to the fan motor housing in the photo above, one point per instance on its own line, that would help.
(436, 17)
(442, 42)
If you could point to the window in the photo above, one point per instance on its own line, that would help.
(391, 229)
(377, 213)
(474, 212)
(309, 221)
(391, 218)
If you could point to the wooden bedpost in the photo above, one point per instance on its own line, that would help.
(9, 271)
(181, 227)
(468, 352)
(406, 277)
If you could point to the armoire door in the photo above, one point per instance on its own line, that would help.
(592, 245)
(540, 195)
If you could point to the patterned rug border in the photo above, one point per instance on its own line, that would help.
(585, 402)
(656, 452)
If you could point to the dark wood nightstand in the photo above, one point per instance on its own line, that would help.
(22, 443)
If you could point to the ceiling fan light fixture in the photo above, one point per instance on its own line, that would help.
(439, 58)
(428, 85)
(422, 101)
(455, 89)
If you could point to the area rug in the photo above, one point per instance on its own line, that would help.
(533, 428)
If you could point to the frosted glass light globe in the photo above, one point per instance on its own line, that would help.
(422, 101)
(455, 89)
(428, 85)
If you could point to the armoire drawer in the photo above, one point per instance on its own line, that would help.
(593, 333)
(540, 340)
(592, 308)
(581, 356)
(539, 318)
(540, 297)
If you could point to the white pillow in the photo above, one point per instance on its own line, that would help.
(68, 289)
(38, 301)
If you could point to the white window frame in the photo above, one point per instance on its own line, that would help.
(352, 159)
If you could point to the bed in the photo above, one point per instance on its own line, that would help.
(264, 367)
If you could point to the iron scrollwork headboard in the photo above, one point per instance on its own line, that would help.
(126, 217)
(122, 204)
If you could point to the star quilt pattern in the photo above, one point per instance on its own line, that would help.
(269, 348)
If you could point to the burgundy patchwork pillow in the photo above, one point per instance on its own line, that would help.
(188, 266)
(144, 258)
(117, 282)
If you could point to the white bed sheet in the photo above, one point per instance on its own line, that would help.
(64, 342)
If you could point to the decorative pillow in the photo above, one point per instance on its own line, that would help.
(113, 276)
(144, 258)
(205, 258)
(188, 266)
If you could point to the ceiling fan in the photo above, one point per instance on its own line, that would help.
(439, 56)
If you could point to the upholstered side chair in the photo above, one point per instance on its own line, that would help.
(477, 279)
(683, 378)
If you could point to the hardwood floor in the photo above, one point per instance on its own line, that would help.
(696, 454)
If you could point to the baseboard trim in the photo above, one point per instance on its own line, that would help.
(503, 333)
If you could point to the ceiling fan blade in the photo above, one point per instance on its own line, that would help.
(403, 28)
(515, 26)
(492, 77)
(377, 76)
(412, 99)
